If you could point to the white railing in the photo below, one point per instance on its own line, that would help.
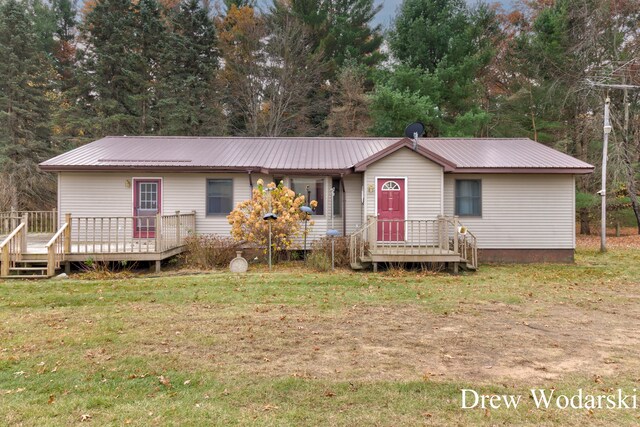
(12, 248)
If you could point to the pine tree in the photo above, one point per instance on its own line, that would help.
(124, 44)
(24, 112)
(341, 30)
(190, 103)
(451, 46)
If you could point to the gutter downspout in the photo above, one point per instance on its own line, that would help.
(250, 184)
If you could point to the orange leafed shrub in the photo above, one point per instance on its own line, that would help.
(247, 223)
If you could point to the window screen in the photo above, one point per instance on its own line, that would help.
(219, 196)
(468, 197)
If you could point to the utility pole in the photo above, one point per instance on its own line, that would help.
(603, 191)
(608, 80)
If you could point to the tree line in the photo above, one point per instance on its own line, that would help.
(72, 73)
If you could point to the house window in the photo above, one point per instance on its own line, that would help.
(468, 197)
(337, 199)
(311, 189)
(219, 196)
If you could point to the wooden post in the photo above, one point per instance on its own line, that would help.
(67, 234)
(55, 220)
(158, 266)
(51, 260)
(373, 232)
(6, 260)
(455, 236)
(23, 234)
(158, 227)
(178, 228)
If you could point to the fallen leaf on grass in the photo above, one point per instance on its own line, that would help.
(52, 398)
(85, 417)
(164, 381)
(329, 393)
(267, 408)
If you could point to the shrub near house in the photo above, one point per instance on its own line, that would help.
(248, 224)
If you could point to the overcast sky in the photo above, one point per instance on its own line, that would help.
(389, 8)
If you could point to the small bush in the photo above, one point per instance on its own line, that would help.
(319, 261)
(323, 245)
(209, 251)
(103, 270)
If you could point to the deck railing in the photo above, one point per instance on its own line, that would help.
(409, 237)
(441, 236)
(37, 221)
(12, 248)
(174, 229)
(129, 234)
(56, 248)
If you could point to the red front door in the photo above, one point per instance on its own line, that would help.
(391, 214)
(146, 205)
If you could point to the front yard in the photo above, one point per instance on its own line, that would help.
(298, 348)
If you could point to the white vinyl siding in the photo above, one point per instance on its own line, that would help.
(423, 183)
(353, 202)
(104, 194)
(520, 211)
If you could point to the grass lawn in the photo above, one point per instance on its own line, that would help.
(296, 348)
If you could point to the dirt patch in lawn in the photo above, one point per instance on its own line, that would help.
(479, 343)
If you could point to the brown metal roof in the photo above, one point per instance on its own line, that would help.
(308, 155)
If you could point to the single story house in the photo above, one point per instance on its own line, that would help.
(516, 197)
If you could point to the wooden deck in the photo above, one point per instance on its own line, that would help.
(34, 246)
(138, 250)
(443, 240)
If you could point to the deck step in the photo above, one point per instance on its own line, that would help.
(25, 276)
(28, 268)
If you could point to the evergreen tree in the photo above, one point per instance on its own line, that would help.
(446, 47)
(24, 112)
(190, 102)
(121, 61)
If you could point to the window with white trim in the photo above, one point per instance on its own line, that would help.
(311, 189)
(390, 186)
(468, 197)
(219, 196)
(337, 199)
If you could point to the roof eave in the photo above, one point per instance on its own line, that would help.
(193, 169)
(524, 170)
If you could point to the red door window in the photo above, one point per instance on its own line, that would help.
(391, 209)
(146, 205)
